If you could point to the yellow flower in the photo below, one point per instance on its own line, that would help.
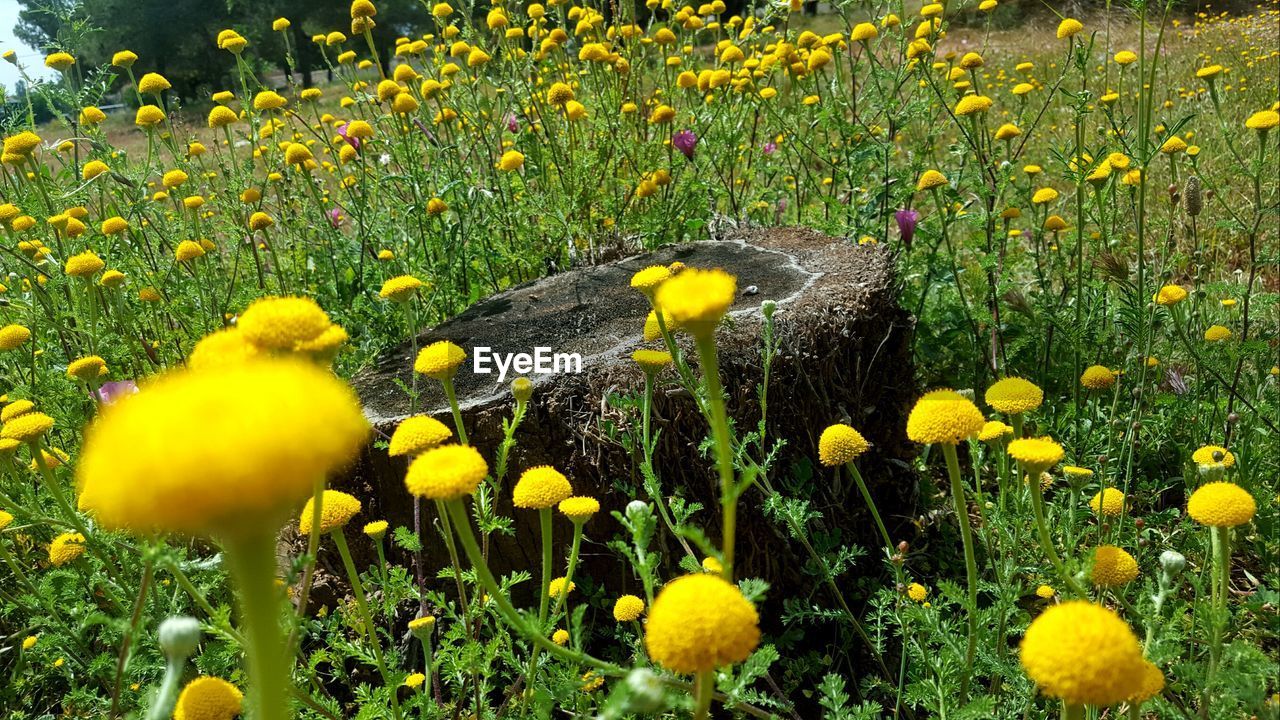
(59, 61)
(1205, 456)
(943, 417)
(840, 444)
(1069, 27)
(560, 637)
(561, 585)
(148, 116)
(208, 698)
(917, 592)
(1217, 333)
(268, 429)
(1014, 396)
(87, 368)
(511, 161)
(281, 324)
(27, 428)
(439, 360)
(93, 169)
(559, 94)
(447, 472)
(15, 409)
(376, 530)
(1263, 120)
(1037, 454)
(863, 32)
(1173, 145)
(1007, 131)
(1170, 295)
(85, 264)
(1209, 71)
(13, 336)
(188, 250)
(540, 487)
(400, 289)
(699, 623)
(260, 221)
(1221, 504)
(1044, 592)
(221, 116)
(124, 59)
(281, 24)
(30, 641)
(1054, 223)
(268, 100)
(1109, 502)
(336, 511)
(415, 681)
(930, 180)
(1082, 653)
(153, 83)
(579, 509)
(1150, 685)
(994, 430)
(1044, 196)
(1125, 57)
(422, 624)
(973, 104)
(228, 346)
(648, 279)
(417, 434)
(5, 519)
(1097, 377)
(628, 608)
(697, 299)
(1112, 566)
(651, 361)
(65, 548)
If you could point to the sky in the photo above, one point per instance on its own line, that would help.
(32, 60)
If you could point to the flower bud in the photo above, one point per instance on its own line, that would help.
(522, 389)
(646, 692)
(638, 510)
(1192, 199)
(1172, 562)
(179, 636)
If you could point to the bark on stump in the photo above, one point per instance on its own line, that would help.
(845, 356)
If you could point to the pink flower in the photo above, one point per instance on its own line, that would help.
(111, 392)
(685, 141)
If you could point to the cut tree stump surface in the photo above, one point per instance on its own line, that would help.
(845, 356)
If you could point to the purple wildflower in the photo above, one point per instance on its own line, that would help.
(111, 392)
(512, 125)
(352, 141)
(336, 216)
(907, 220)
(770, 147)
(685, 141)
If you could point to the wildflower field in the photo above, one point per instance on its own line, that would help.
(1083, 210)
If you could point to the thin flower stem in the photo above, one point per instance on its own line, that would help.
(457, 413)
(308, 573)
(366, 618)
(871, 504)
(1046, 543)
(724, 449)
(970, 564)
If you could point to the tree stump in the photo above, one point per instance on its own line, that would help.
(845, 356)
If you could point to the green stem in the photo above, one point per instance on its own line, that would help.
(724, 450)
(313, 547)
(970, 564)
(252, 561)
(1046, 543)
(1072, 712)
(562, 600)
(871, 505)
(453, 406)
(366, 618)
(704, 685)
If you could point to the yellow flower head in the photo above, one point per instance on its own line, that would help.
(5, 519)
(651, 361)
(281, 324)
(840, 444)
(560, 637)
(153, 83)
(1173, 145)
(59, 61)
(421, 624)
(973, 104)
(699, 623)
(1109, 502)
(418, 434)
(265, 430)
(148, 116)
(447, 472)
(917, 592)
(1082, 653)
(414, 681)
(124, 59)
(336, 510)
(268, 100)
(930, 180)
(1125, 57)
(27, 427)
(540, 488)
(1150, 685)
(1044, 592)
(1044, 196)
(1263, 120)
(208, 698)
(1217, 333)
(648, 279)
(511, 161)
(1221, 504)
(1112, 567)
(1069, 27)
(628, 608)
(1014, 396)
(1205, 456)
(1037, 454)
(87, 368)
(187, 251)
(377, 530)
(579, 509)
(65, 548)
(400, 289)
(1097, 377)
(1170, 295)
(439, 360)
(943, 417)
(994, 430)
(697, 299)
(561, 585)
(13, 336)
(228, 346)
(85, 264)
